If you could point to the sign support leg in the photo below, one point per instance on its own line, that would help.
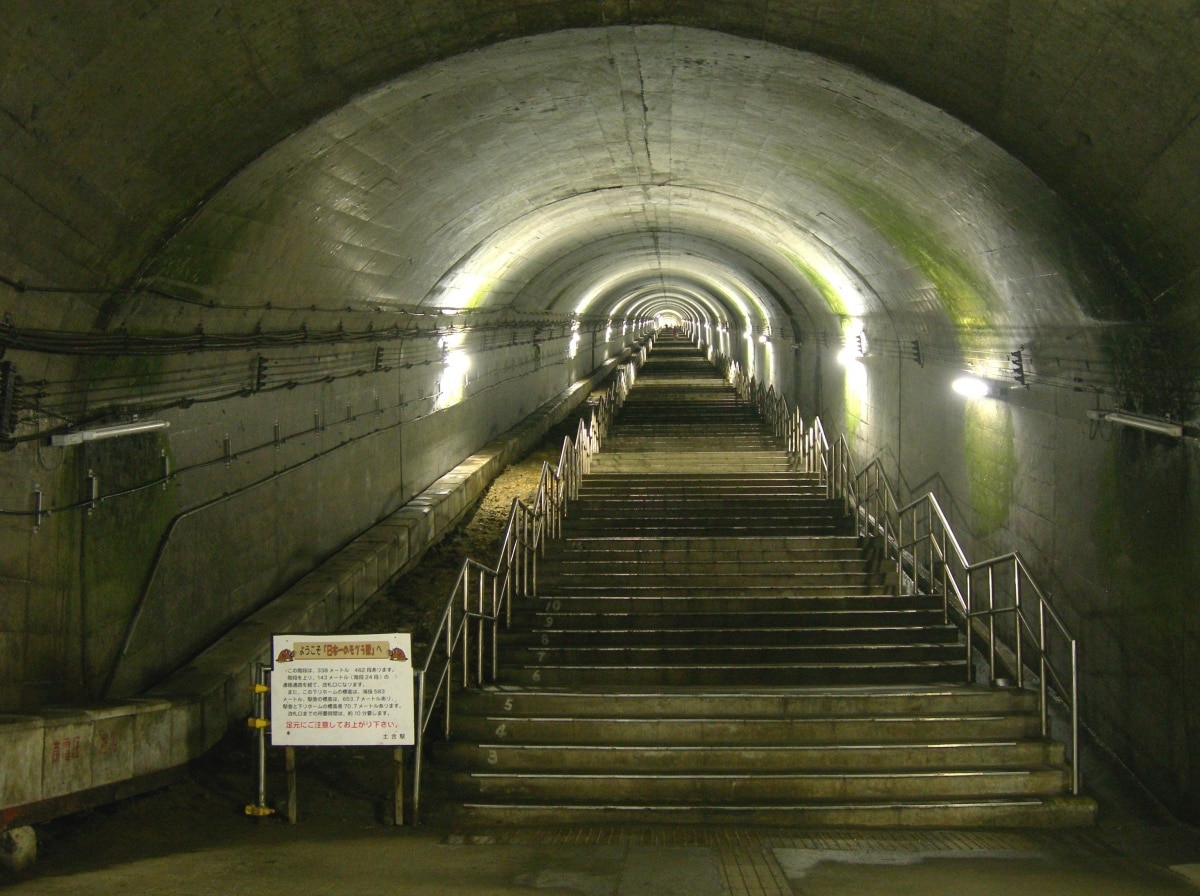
(289, 764)
(398, 795)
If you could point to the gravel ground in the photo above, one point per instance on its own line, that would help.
(414, 601)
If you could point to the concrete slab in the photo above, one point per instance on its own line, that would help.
(22, 741)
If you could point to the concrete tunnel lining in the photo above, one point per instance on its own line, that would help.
(517, 167)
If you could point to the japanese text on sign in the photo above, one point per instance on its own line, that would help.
(342, 690)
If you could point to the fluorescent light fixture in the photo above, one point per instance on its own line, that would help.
(971, 387)
(107, 432)
(1140, 421)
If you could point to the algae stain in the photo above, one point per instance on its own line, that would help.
(1144, 529)
(203, 250)
(964, 293)
(989, 451)
(820, 283)
(122, 534)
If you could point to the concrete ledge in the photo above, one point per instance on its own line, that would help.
(58, 761)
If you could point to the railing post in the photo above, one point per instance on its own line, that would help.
(481, 627)
(945, 580)
(1076, 779)
(466, 637)
(970, 628)
(496, 622)
(1043, 667)
(992, 622)
(1017, 623)
(418, 746)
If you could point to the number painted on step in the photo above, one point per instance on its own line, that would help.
(541, 656)
(508, 705)
(545, 640)
(556, 605)
(501, 730)
(492, 758)
(549, 621)
(537, 675)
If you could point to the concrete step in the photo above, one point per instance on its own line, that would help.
(730, 654)
(718, 636)
(503, 756)
(579, 579)
(702, 528)
(818, 600)
(685, 480)
(599, 621)
(740, 674)
(759, 788)
(1029, 812)
(734, 547)
(618, 508)
(813, 732)
(736, 704)
(684, 564)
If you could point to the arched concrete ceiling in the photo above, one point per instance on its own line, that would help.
(816, 186)
(800, 188)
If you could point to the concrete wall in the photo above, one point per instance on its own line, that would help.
(56, 761)
(174, 565)
(1105, 518)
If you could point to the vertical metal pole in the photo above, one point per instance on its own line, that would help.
(289, 765)
(481, 628)
(465, 639)
(1076, 780)
(970, 629)
(398, 788)
(418, 748)
(449, 672)
(1017, 623)
(991, 621)
(496, 624)
(1042, 669)
(260, 701)
(945, 559)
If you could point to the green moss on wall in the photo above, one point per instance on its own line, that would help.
(121, 535)
(989, 451)
(1144, 528)
(826, 289)
(964, 293)
(203, 250)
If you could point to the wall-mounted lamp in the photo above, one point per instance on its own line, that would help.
(107, 432)
(971, 387)
(855, 349)
(1139, 421)
(764, 338)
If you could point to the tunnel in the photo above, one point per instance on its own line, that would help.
(309, 258)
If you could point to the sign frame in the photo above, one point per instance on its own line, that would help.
(342, 690)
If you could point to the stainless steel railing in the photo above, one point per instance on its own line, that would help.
(996, 600)
(463, 648)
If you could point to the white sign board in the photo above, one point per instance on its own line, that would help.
(342, 690)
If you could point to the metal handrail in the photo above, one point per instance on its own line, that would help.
(482, 599)
(920, 540)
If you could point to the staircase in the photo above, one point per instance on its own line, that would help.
(711, 643)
